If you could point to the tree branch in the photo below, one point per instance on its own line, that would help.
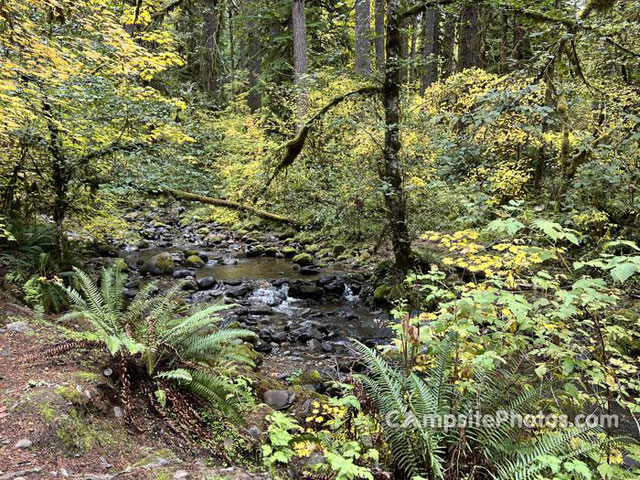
(218, 202)
(294, 146)
(113, 148)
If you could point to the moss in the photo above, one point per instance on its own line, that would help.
(157, 458)
(87, 376)
(289, 251)
(313, 248)
(189, 253)
(194, 261)
(381, 293)
(303, 259)
(339, 250)
(286, 235)
(70, 394)
(213, 239)
(310, 377)
(78, 435)
(271, 251)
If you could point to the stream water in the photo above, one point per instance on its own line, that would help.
(304, 319)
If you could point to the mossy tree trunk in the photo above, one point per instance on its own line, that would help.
(390, 172)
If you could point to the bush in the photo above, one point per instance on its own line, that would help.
(157, 350)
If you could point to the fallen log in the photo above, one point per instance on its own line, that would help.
(218, 202)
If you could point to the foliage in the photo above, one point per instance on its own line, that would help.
(409, 405)
(337, 432)
(154, 346)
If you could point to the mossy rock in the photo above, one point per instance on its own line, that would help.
(190, 253)
(303, 259)
(365, 256)
(339, 250)
(194, 261)
(213, 239)
(204, 231)
(289, 252)
(310, 377)
(255, 251)
(382, 294)
(161, 264)
(313, 248)
(287, 234)
(271, 251)
(73, 420)
(159, 224)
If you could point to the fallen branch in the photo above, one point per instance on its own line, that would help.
(218, 202)
(294, 146)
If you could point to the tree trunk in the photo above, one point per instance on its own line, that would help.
(430, 47)
(413, 48)
(211, 34)
(504, 38)
(405, 27)
(299, 25)
(469, 38)
(254, 99)
(447, 48)
(379, 39)
(60, 176)
(391, 175)
(521, 44)
(363, 28)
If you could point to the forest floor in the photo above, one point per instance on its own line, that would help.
(60, 416)
(59, 419)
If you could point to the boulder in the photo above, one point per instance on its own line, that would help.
(206, 283)
(182, 273)
(302, 290)
(310, 270)
(236, 292)
(161, 264)
(213, 239)
(279, 399)
(289, 251)
(194, 261)
(20, 326)
(334, 288)
(303, 259)
(255, 251)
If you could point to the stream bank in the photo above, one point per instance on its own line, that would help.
(304, 309)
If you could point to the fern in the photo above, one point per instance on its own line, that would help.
(150, 332)
(503, 452)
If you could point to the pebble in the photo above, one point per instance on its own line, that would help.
(24, 443)
(21, 327)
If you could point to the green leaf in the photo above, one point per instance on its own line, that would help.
(624, 271)
(509, 225)
(161, 396)
(177, 374)
(541, 370)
